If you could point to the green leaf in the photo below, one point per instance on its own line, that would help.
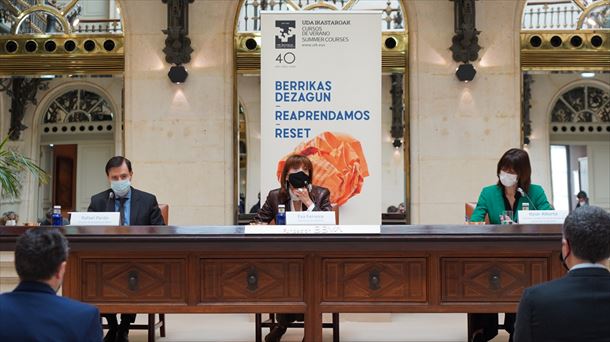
(12, 164)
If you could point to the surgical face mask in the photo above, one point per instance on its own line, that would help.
(120, 187)
(508, 179)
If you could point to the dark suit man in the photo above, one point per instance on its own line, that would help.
(136, 208)
(33, 311)
(576, 307)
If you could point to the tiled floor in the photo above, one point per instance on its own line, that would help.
(361, 328)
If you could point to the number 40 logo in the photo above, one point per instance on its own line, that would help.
(287, 58)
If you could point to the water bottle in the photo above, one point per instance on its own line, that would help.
(525, 206)
(56, 218)
(280, 218)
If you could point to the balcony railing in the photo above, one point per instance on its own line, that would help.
(564, 15)
(392, 17)
(551, 16)
(99, 26)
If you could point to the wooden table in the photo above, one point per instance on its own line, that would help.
(218, 269)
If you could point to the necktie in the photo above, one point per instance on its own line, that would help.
(122, 201)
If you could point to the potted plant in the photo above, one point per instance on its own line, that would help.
(11, 165)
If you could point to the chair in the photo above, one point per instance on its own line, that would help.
(153, 325)
(469, 209)
(164, 212)
(271, 323)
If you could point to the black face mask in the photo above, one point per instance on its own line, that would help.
(299, 180)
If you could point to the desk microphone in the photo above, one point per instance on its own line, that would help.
(523, 193)
(110, 200)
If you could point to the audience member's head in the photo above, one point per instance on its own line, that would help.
(586, 236)
(40, 255)
(392, 209)
(9, 218)
(582, 198)
(402, 208)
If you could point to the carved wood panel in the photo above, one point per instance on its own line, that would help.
(227, 280)
(490, 279)
(133, 280)
(375, 280)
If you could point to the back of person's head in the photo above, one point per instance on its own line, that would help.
(587, 230)
(392, 209)
(39, 253)
(581, 195)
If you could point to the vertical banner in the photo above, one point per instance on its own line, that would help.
(321, 97)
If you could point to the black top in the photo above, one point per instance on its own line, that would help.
(575, 308)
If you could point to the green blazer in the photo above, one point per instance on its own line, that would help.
(491, 202)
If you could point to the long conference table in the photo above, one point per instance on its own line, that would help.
(219, 269)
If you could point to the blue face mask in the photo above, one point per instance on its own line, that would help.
(120, 187)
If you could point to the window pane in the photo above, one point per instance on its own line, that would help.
(559, 174)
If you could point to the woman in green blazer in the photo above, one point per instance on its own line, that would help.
(513, 189)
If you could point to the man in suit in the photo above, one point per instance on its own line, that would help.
(33, 311)
(575, 307)
(136, 208)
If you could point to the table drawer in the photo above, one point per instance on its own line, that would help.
(375, 279)
(144, 280)
(490, 279)
(226, 280)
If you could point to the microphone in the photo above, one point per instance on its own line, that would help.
(111, 195)
(524, 194)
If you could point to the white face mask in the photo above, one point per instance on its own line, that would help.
(120, 187)
(508, 179)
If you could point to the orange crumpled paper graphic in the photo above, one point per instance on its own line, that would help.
(338, 164)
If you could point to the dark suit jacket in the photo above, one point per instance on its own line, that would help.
(144, 207)
(319, 195)
(574, 308)
(34, 312)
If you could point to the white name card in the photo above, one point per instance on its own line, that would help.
(542, 216)
(305, 230)
(95, 219)
(310, 217)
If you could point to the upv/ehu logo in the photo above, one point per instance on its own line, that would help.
(285, 34)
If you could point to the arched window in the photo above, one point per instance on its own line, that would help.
(78, 111)
(66, 17)
(585, 103)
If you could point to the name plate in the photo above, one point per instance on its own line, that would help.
(542, 216)
(316, 229)
(95, 219)
(310, 217)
